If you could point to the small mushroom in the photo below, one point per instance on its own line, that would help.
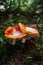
(14, 33)
(33, 34)
(28, 30)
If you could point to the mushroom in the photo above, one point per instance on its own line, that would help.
(32, 33)
(19, 32)
(14, 33)
(28, 30)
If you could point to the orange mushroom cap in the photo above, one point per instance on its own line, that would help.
(14, 33)
(28, 30)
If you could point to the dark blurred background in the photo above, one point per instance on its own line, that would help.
(29, 12)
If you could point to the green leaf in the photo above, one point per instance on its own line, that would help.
(1, 39)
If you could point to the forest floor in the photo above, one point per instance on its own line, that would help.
(18, 54)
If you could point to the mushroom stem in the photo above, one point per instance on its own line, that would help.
(13, 42)
(23, 40)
